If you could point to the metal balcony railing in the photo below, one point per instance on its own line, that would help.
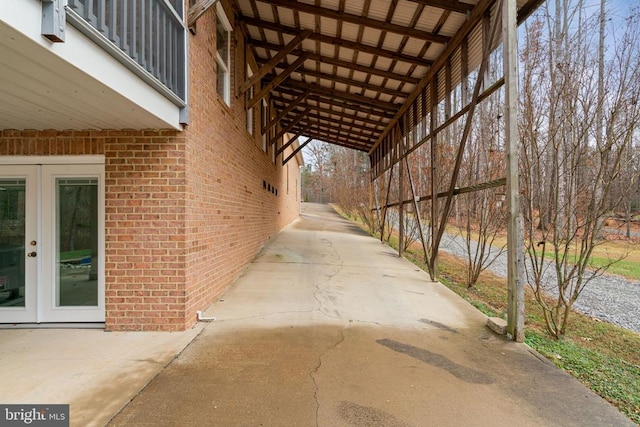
(150, 32)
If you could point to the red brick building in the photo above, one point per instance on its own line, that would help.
(134, 188)
(145, 153)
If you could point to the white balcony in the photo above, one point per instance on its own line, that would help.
(79, 83)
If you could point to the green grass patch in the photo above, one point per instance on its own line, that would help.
(612, 378)
(626, 268)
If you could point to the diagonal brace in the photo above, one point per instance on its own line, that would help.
(279, 79)
(269, 66)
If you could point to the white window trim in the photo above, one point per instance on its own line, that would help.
(264, 113)
(225, 65)
(53, 160)
(250, 92)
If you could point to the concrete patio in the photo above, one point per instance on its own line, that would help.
(327, 327)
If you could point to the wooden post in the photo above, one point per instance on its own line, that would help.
(371, 186)
(400, 194)
(433, 262)
(515, 259)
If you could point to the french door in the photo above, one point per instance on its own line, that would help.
(51, 243)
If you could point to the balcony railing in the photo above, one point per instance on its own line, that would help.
(150, 32)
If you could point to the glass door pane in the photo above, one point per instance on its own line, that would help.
(77, 243)
(12, 240)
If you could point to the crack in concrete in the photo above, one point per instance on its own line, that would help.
(315, 370)
(328, 243)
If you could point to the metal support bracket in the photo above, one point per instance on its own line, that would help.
(54, 20)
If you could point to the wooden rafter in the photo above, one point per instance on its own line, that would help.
(352, 130)
(383, 115)
(360, 20)
(291, 105)
(341, 141)
(351, 82)
(330, 134)
(318, 37)
(298, 134)
(351, 133)
(288, 144)
(196, 11)
(450, 5)
(277, 80)
(339, 122)
(338, 63)
(374, 124)
(271, 63)
(360, 99)
(287, 127)
(300, 147)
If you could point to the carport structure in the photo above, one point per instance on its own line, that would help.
(386, 77)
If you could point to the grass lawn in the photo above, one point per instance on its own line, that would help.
(604, 357)
(609, 250)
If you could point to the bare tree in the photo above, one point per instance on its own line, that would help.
(480, 215)
(579, 112)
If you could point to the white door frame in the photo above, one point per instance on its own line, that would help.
(27, 313)
(42, 296)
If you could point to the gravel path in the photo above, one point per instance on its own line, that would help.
(609, 298)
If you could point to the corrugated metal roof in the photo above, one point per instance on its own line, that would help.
(365, 60)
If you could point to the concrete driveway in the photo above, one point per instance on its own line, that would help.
(328, 327)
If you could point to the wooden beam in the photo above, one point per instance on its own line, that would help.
(330, 135)
(364, 69)
(297, 135)
(288, 144)
(337, 62)
(279, 79)
(367, 133)
(292, 104)
(285, 161)
(275, 60)
(469, 189)
(333, 93)
(360, 20)
(196, 11)
(375, 125)
(433, 185)
(384, 115)
(451, 5)
(488, 92)
(359, 47)
(342, 125)
(527, 9)
(288, 127)
(351, 82)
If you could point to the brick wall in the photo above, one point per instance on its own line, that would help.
(185, 211)
(145, 228)
(230, 214)
(144, 218)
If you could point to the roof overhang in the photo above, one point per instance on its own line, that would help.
(70, 85)
(342, 71)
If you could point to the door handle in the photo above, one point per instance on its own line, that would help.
(32, 254)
